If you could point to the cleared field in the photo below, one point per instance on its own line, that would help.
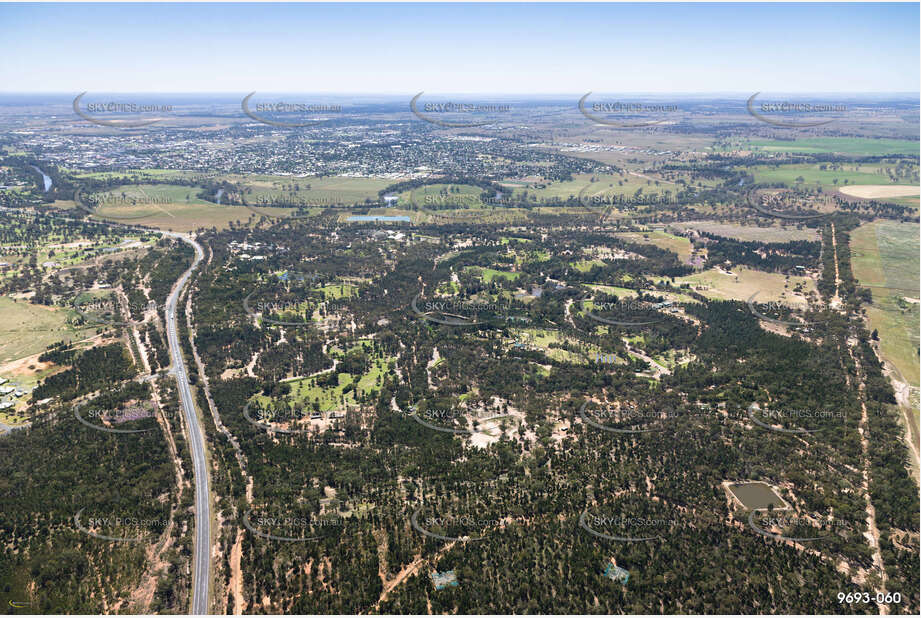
(843, 145)
(885, 258)
(877, 191)
(896, 245)
(661, 239)
(141, 174)
(445, 203)
(546, 341)
(150, 195)
(596, 186)
(310, 190)
(885, 254)
(310, 392)
(181, 217)
(612, 289)
(27, 329)
(440, 195)
(170, 207)
(775, 233)
(743, 282)
(497, 215)
(488, 274)
(532, 256)
(850, 174)
(335, 291)
(64, 204)
(586, 265)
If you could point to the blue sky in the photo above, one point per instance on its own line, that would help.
(472, 48)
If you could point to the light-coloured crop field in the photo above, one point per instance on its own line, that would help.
(881, 191)
(181, 217)
(150, 194)
(169, 207)
(884, 254)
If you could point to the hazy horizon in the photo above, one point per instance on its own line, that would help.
(462, 48)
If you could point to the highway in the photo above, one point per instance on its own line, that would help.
(201, 571)
(202, 556)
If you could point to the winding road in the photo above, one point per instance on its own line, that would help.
(201, 572)
(202, 556)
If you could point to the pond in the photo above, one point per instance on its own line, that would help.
(757, 496)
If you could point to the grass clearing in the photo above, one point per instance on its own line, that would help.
(584, 266)
(846, 174)
(27, 329)
(545, 340)
(347, 391)
(489, 274)
(182, 217)
(595, 186)
(885, 258)
(317, 191)
(335, 291)
(142, 194)
(440, 195)
(142, 174)
(613, 289)
(661, 239)
(743, 282)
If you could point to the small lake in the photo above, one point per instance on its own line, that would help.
(757, 496)
(217, 196)
(379, 218)
(45, 177)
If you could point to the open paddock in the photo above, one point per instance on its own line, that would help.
(769, 234)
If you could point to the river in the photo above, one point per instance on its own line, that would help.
(45, 177)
